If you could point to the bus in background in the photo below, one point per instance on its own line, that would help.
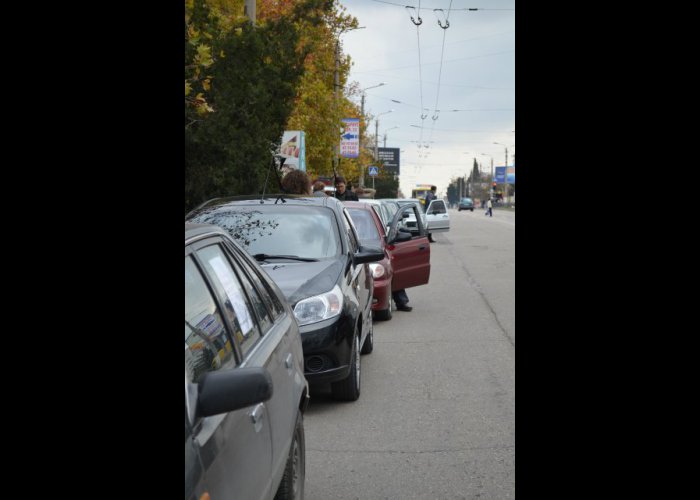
(419, 193)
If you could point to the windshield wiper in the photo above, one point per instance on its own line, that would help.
(264, 256)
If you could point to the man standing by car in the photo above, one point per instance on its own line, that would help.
(430, 196)
(341, 192)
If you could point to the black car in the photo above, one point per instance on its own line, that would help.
(245, 392)
(309, 247)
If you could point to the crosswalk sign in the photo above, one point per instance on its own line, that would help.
(373, 171)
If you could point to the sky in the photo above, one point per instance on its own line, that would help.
(476, 77)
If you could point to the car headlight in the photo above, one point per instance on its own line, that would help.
(377, 270)
(319, 307)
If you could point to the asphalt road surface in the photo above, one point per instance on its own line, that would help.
(436, 416)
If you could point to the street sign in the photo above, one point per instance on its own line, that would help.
(373, 171)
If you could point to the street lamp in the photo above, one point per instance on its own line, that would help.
(362, 118)
(505, 179)
(336, 80)
(392, 128)
(376, 133)
(484, 154)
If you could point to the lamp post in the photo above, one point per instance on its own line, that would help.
(392, 128)
(505, 180)
(376, 134)
(336, 81)
(362, 118)
(484, 154)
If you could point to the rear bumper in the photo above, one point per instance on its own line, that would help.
(381, 298)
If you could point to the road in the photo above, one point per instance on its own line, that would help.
(436, 417)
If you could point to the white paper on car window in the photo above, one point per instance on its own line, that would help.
(223, 272)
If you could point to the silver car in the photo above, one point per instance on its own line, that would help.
(245, 391)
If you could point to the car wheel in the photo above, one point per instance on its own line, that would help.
(384, 315)
(349, 388)
(459, 209)
(368, 346)
(292, 485)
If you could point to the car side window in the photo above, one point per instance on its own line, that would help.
(228, 288)
(438, 207)
(256, 297)
(269, 296)
(208, 344)
(354, 244)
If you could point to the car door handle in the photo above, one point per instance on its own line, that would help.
(421, 247)
(288, 360)
(256, 416)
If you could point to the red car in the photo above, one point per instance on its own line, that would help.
(406, 260)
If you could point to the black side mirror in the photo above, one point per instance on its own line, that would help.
(229, 390)
(368, 254)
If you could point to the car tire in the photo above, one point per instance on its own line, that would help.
(349, 388)
(384, 315)
(472, 209)
(459, 209)
(292, 485)
(368, 346)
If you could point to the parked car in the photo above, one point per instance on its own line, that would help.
(245, 392)
(406, 259)
(465, 204)
(309, 247)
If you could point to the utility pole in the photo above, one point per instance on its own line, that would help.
(249, 10)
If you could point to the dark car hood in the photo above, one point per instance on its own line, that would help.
(300, 280)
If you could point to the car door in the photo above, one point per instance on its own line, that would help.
(362, 281)
(280, 353)
(236, 447)
(437, 217)
(410, 258)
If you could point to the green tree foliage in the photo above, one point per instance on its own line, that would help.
(254, 81)
(386, 186)
(245, 85)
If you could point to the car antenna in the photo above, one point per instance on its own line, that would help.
(273, 165)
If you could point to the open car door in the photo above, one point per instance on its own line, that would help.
(437, 216)
(409, 254)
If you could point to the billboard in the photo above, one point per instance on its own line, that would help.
(510, 175)
(500, 175)
(293, 148)
(350, 138)
(391, 159)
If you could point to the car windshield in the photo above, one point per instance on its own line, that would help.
(466, 200)
(366, 228)
(301, 231)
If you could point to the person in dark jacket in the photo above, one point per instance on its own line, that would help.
(341, 192)
(430, 196)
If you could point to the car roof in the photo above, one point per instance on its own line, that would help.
(268, 199)
(195, 230)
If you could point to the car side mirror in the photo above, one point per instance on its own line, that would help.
(368, 254)
(224, 391)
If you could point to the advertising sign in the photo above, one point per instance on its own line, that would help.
(293, 148)
(500, 175)
(391, 159)
(350, 138)
(510, 175)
